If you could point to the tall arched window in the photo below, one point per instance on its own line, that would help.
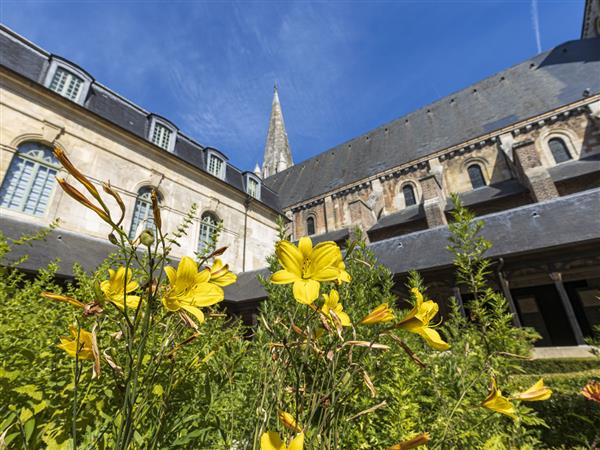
(30, 179)
(559, 150)
(476, 176)
(142, 212)
(208, 227)
(310, 226)
(409, 195)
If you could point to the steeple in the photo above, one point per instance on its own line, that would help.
(278, 155)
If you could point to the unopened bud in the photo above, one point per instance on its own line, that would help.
(147, 237)
(113, 239)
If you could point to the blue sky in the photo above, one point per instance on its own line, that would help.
(343, 67)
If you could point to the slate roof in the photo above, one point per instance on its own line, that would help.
(32, 62)
(538, 85)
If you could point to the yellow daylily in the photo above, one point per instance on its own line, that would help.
(189, 289)
(343, 277)
(306, 267)
(417, 321)
(221, 275)
(271, 441)
(332, 303)
(288, 421)
(85, 347)
(535, 393)
(382, 313)
(118, 286)
(495, 401)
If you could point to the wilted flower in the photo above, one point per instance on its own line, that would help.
(332, 303)
(82, 347)
(221, 275)
(271, 441)
(63, 298)
(495, 401)
(189, 289)
(417, 441)
(382, 313)
(306, 267)
(288, 421)
(417, 321)
(591, 391)
(118, 286)
(535, 393)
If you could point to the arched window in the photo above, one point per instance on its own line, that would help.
(208, 227)
(559, 150)
(142, 212)
(30, 179)
(310, 226)
(409, 195)
(476, 176)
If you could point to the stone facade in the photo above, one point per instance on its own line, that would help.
(102, 152)
(519, 153)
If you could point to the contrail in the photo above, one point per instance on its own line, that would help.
(535, 20)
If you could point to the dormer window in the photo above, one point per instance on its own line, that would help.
(253, 186)
(216, 165)
(68, 80)
(162, 134)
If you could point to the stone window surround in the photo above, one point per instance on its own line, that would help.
(568, 137)
(313, 216)
(483, 165)
(169, 126)
(206, 213)
(247, 179)
(400, 193)
(56, 63)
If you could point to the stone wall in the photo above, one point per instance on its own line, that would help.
(104, 152)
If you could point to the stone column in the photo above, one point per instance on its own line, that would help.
(433, 200)
(564, 298)
(532, 173)
(361, 215)
(329, 214)
(509, 298)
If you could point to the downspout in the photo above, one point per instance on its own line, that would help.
(247, 202)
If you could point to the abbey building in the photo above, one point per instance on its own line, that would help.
(521, 148)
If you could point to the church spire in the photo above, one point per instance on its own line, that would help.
(278, 155)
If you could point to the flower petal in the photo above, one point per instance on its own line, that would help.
(186, 273)
(196, 312)
(432, 337)
(284, 277)
(203, 276)
(271, 441)
(305, 246)
(306, 291)
(171, 275)
(297, 443)
(289, 257)
(205, 294)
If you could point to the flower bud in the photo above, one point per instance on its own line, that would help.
(113, 239)
(147, 237)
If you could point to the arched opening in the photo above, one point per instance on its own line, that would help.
(476, 176)
(559, 150)
(310, 226)
(30, 179)
(208, 229)
(409, 195)
(142, 212)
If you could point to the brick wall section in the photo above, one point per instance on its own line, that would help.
(531, 171)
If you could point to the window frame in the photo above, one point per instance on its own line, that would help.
(249, 178)
(149, 214)
(413, 193)
(157, 121)
(50, 166)
(481, 172)
(565, 145)
(213, 154)
(87, 80)
(314, 225)
(202, 244)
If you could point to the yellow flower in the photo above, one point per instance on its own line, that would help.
(306, 267)
(417, 321)
(417, 441)
(288, 421)
(382, 313)
(535, 393)
(189, 289)
(591, 391)
(332, 303)
(117, 288)
(85, 347)
(495, 401)
(221, 275)
(343, 275)
(271, 441)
